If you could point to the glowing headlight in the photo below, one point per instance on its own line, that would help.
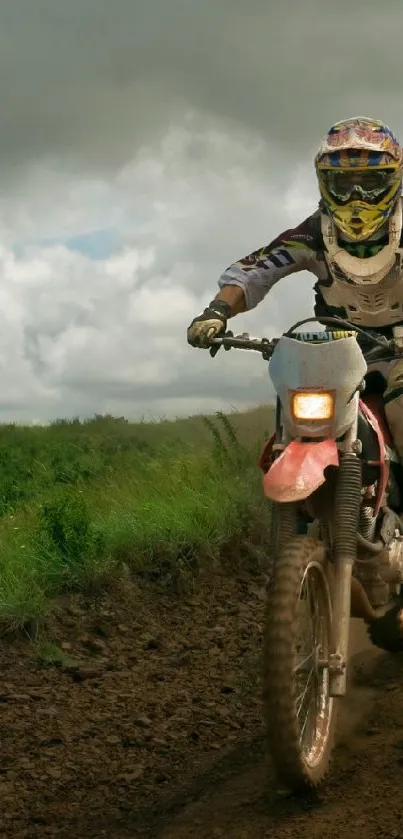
(312, 406)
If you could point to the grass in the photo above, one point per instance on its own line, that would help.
(80, 500)
(51, 655)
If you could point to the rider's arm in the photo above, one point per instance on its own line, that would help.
(246, 282)
(235, 297)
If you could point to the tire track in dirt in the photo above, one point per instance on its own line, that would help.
(237, 799)
(156, 732)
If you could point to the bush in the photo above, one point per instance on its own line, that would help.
(67, 536)
(77, 499)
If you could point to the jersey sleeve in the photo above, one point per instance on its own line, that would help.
(292, 251)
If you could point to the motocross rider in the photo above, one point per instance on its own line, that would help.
(353, 244)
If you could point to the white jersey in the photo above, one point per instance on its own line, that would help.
(372, 304)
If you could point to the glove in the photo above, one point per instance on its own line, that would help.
(209, 324)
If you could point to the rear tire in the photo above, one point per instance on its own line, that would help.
(300, 748)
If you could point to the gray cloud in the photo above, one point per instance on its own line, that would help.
(83, 336)
(94, 80)
(187, 129)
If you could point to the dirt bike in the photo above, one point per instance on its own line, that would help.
(331, 467)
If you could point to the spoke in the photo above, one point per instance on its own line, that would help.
(304, 725)
(304, 693)
(312, 605)
(313, 613)
(311, 681)
(311, 711)
(304, 661)
(309, 606)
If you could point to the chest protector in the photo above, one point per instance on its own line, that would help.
(370, 289)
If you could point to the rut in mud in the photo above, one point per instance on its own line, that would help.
(151, 725)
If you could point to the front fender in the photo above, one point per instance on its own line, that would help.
(299, 470)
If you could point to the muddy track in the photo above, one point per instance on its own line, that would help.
(236, 796)
(151, 725)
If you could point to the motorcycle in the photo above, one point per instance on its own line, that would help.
(330, 470)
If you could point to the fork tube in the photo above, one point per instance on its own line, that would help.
(347, 508)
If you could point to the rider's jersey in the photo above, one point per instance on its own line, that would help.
(302, 249)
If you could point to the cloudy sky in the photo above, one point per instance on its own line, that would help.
(144, 146)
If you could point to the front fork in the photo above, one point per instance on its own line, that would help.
(346, 519)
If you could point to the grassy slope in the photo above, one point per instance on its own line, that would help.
(78, 500)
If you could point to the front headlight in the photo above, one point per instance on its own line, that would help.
(310, 406)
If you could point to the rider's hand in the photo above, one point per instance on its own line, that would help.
(208, 325)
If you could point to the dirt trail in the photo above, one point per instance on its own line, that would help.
(239, 801)
(153, 729)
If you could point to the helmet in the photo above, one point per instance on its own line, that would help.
(359, 168)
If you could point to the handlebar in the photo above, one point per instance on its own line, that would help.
(244, 342)
(370, 342)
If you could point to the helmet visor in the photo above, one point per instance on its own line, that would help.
(369, 185)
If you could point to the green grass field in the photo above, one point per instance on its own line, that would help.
(79, 500)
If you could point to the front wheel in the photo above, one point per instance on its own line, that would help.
(300, 713)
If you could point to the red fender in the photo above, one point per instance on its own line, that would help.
(299, 470)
